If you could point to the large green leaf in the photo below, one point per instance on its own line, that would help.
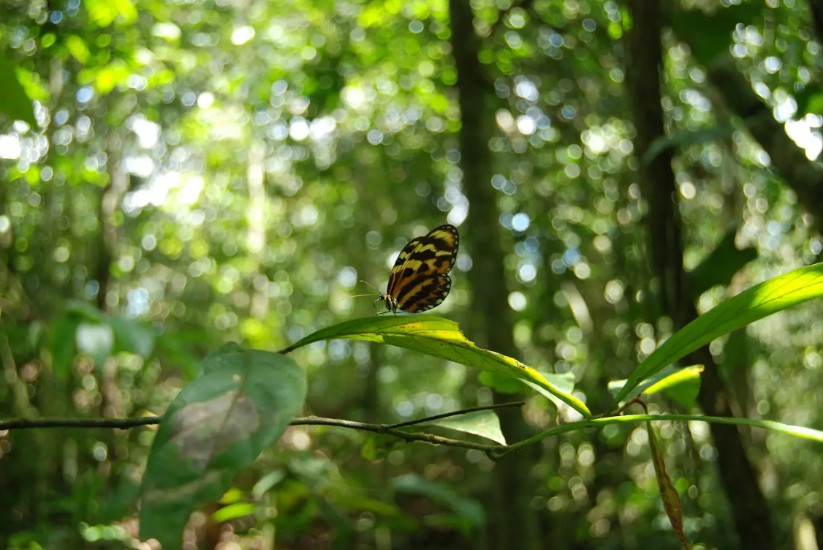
(241, 404)
(441, 338)
(755, 303)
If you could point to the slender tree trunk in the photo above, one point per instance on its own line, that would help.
(514, 523)
(110, 198)
(737, 476)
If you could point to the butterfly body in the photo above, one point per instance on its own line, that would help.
(419, 280)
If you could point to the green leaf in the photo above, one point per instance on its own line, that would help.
(440, 338)
(133, 336)
(481, 423)
(61, 344)
(233, 511)
(809, 100)
(13, 99)
(686, 137)
(755, 303)
(241, 404)
(682, 385)
(501, 383)
(720, 265)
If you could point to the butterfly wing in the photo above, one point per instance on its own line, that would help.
(419, 280)
(425, 294)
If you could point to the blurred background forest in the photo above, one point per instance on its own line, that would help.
(227, 170)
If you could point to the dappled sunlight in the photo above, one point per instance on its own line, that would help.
(177, 176)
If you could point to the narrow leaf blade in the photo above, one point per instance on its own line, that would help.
(751, 305)
(440, 338)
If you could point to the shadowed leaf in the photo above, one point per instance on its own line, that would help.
(240, 404)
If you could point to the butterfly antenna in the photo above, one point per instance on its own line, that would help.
(354, 296)
(370, 286)
(362, 295)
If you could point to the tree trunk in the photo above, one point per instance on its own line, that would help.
(737, 476)
(513, 523)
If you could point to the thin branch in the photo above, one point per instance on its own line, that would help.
(122, 423)
(495, 451)
(796, 431)
(387, 429)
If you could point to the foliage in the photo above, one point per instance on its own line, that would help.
(177, 175)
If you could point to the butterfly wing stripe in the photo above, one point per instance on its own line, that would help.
(426, 264)
(426, 294)
(400, 264)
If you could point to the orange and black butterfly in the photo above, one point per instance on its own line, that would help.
(419, 280)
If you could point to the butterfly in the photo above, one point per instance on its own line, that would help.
(419, 280)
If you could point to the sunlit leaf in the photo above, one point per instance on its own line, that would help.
(441, 338)
(241, 404)
(233, 511)
(755, 303)
(78, 48)
(682, 385)
(107, 12)
(481, 423)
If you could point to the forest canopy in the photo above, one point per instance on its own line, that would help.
(595, 227)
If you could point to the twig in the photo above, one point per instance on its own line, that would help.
(122, 423)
